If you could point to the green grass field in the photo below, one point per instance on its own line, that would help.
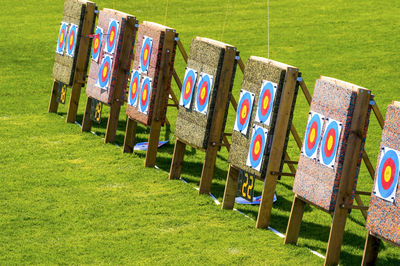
(66, 197)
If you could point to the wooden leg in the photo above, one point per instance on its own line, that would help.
(112, 123)
(296, 215)
(74, 102)
(359, 202)
(267, 199)
(177, 160)
(370, 250)
(87, 122)
(130, 135)
(208, 169)
(151, 154)
(230, 188)
(336, 236)
(53, 106)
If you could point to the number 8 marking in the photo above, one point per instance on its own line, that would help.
(245, 185)
(250, 187)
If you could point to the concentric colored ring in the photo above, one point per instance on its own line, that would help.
(134, 88)
(112, 36)
(313, 135)
(187, 87)
(103, 78)
(257, 147)
(265, 102)
(72, 36)
(145, 95)
(203, 92)
(388, 173)
(98, 38)
(330, 142)
(145, 54)
(62, 37)
(244, 111)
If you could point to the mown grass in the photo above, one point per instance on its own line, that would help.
(68, 198)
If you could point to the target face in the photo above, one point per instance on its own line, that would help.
(98, 38)
(112, 36)
(330, 142)
(71, 40)
(266, 102)
(313, 134)
(104, 76)
(134, 88)
(144, 100)
(145, 53)
(62, 38)
(257, 147)
(243, 113)
(203, 93)
(387, 177)
(187, 88)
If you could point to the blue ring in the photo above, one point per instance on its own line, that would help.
(95, 56)
(392, 155)
(135, 75)
(144, 108)
(146, 66)
(190, 73)
(109, 49)
(245, 96)
(72, 28)
(63, 26)
(332, 125)
(259, 131)
(270, 87)
(315, 118)
(204, 78)
(104, 84)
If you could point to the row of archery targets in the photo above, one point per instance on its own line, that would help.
(134, 63)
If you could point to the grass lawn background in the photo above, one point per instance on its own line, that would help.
(68, 198)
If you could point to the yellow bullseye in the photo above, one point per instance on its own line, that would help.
(112, 36)
(244, 111)
(134, 87)
(71, 40)
(265, 102)
(146, 54)
(388, 174)
(144, 95)
(203, 93)
(104, 73)
(187, 88)
(330, 143)
(62, 36)
(257, 147)
(312, 135)
(96, 43)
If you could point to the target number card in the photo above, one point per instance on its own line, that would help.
(244, 110)
(188, 87)
(62, 38)
(61, 92)
(95, 111)
(330, 142)
(387, 177)
(257, 147)
(145, 94)
(313, 134)
(245, 187)
(266, 102)
(203, 92)
(134, 88)
(145, 53)
(104, 76)
(112, 37)
(97, 40)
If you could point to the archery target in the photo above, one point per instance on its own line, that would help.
(98, 38)
(104, 76)
(144, 100)
(243, 113)
(203, 92)
(145, 53)
(112, 37)
(257, 147)
(187, 88)
(387, 177)
(134, 88)
(330, 142)
(71, 40)
(265, 102)
(313, 134)
(62, 38)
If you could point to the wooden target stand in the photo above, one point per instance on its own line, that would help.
(119, 90)
(214, 143)
(171, 38)
(344, 201)
(79, 79)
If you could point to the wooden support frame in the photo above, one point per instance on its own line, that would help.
(81, 67)
(159, 106)
(119, 89)
(344, 201)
